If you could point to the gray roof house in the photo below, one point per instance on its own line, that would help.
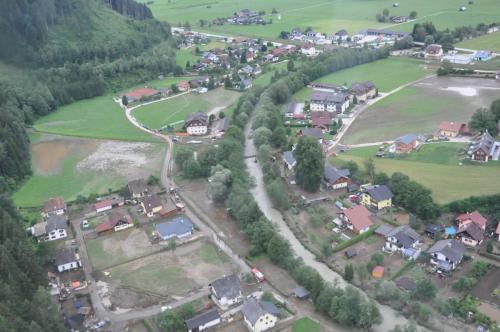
(446, 254)
(203, 321)
(329, 101)
(405, 240)
(335, 178)
(226, 291)
(179, 227)
(313, 132)
(259, 315)
(223, 125)
(289, 159)
(67, 259)
(301, 293)
(406, 283)
(379, 192)
(56, 222)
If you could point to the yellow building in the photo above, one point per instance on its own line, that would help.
(377, 197)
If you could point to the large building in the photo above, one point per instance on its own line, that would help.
(484, 148)
(196, 123)
(363, 91)
(330, 101)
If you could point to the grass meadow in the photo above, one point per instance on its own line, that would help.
(487, 42)
(306, 325)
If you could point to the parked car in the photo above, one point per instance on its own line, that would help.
(85, 224)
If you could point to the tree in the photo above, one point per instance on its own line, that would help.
(279, 138)
(124, 100)
(495, 109)
(172, 245)
(274, 11)
(348, 272)
(243, 57)
(362, 274)
(425, 290)
(182, 154)
(310, 165)
(385, 12)
(483, 120)
(290, 66)
(218, 188)
(381, 178)
(370, 168)
(277, 194)
(410, 327)
(261, 136)
(480, 268)
(178, 71)
(278, 250)
(222, 115)
(413, 15)
(284, 35)
(227, 83)
(188, 64)
(191, 169)
(153, 180)
(464, 284)
(211, 83)
(489, 247)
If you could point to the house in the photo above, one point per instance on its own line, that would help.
(140, 94)
(465, 219)
(247, 70)
(407, 143)
(179, 227)
(104, 205)
(245, 84)
(289, 159)
(249, 56)
(203, 321)
(116, 222)
(389, 34)
(356, 219)
(137, 188)
(151, 205)
(432, 230)
(460, 59)
(308, 49)
(326, 87)
(452, 129)
(433, 52)
(377, 197)
(483, 55)
(312, 132)
(405, 240)
(258, 315)
(484, 148)
(53, 206)
(471, 235)
(183, 86)
(67, 259)
(399, 19)
(341, 35)
(331, 101)
(54, 228)
(334, 178)
(406, 283)
(363, 91)
(226, 291)
(196, 123)
(446, 254)
(350, 253)
(322, 120)
(223, 125)
(301, 293)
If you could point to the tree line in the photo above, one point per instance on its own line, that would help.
(131, 8)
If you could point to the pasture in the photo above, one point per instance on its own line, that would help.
(306, 325)
(176, 109)
(68, 167)
(323, 16)
(486, 42)
(421, 107)
(436, 166)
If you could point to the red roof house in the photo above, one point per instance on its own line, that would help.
(452, 129)
(103, 205)
(464, 219)
(55, 205)
(357, 218)
(117, 221)
(183, 86)
(321, 120)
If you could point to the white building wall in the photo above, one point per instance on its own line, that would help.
(197, 130)
(68, 266)
(105, 208)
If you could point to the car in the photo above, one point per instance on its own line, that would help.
(98, 325)
(258, 275)
(85, 224)
(165, 308)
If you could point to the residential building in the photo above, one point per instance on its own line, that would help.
(226, 291)
(137, 188)
(465, 219)
(471, 235)
(341, 35)
(407, 143)
(104, 205)
(67, 259)
(356, 219)
(407, 284)
(258, 315)
(116, 222)
(327, 87)
(399, 19)
(53, 206)
(289, 160)
(459, 59)
(483, 55)
(484, 148)
(54, 228)
(152, 205)
(452, 129)
(377, 197)
(316, 133)
(497, 232)
(246, 84)
(383, 33)
(405, 240)
(223, 125)
(330, 101)
(308, 49)
(363, 91)
(301, 293)
(196, 123)
(446, 254)
(433, 52)
(180, 227)
(183, 86)
(334, 178)
(203, 321)
(322, 120)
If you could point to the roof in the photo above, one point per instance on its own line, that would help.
(351, 252)
(433, 49)
(432, 228)
(301, 292)
(143, 92)
(384, 230)
(102, 204)
(358, 216)
(177, 226)
(452, 249)
(327, 86)
(54, 204)
(379, 193)
(269, 307)
(475, 217)
(328, 97)
(342, 32)
(151, 202)
(406, 283)
(55, 222)
(321, 119)
(378, 271)
(227, 286)
(202, 319)
(138, 186)
(289, 158)
(223, 124)
(482, 54)
(474, 231)
(39, 229)
(406, 139)
(253, 309)
(451, 126)
(65, 256)
(405, 235)
(362, 88)
(197, 116)
(332, 174)
(313, 132)
(113, 221)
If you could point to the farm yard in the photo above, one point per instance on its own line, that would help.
(176, 109)
(487, 42)
(435, 166)
(323, 16)
(68, 167)
(421, 107)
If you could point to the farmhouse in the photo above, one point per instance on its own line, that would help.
(179, 227)
(452, 129)
(137, 188)
(465, 219)
(482, 55)
(383, 33)
(196, 123)
(326, 87)
(67, 259)
(258, 315)
(322, 120)
(116, 222)
(53, 206)
(471, 235)
(484, 147)
(151, 205)
(140, 94)
(334, 178)
(329, 101)
(289, 160)
(223, 125)
(356, 219)
(446, 254)
(377, 197)
(183, 86)
(405, 240)
(316, 133)
(203, 321)
(363, 91)
(406, 143)
(226, 291)
(433, 52)
(54, 228)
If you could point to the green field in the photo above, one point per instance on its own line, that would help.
(176, 109)
(265, 78)
(306, 325)
(487, 42)
(184, 55)
(323, 16)
(436, 166)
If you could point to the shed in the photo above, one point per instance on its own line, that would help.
(301, 293)
(384, 230)
(350, 253)
(378, 272)
(406, 283)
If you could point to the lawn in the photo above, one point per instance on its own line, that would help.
(306, 325)
(176, 109)
(487, 42)
(98, 117)
(436, 166)
(265, 78)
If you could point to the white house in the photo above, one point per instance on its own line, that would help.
(330, 101)
(405, 240)
(67, 259)
(308, 49)
(54, 228)
(53, 206)
(196, 124)
(203, 321)
(258, 315)
(226, 291)
(446, 254)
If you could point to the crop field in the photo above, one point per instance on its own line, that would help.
(176, 109)
(421, 107)
(435, 166)
(487, 42)
(323, 16)
(68, 167)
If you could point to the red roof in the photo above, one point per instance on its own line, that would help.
(358, 216)
(378, 271)
(54, 204)
(321, 119)
(475, 217)
(102, 204)
(143, 92)
(113, 220)
(451, 126)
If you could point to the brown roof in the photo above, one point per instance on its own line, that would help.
(451, 126)
(475, 217)
(321, 119)
(101, 204)
(474, 232)
(113, 221)
(433, 49)
(151, 202)
(143, 92)
(54, 204)
(358, 216)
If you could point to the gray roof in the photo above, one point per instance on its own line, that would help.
(452, 249)
(406, 139)
(485, 142)
(138, 186)
(228, 286)
(224, 124)
(332, 174)
(379, 192)
(301, 292)
(151, 202)
(362, 88)
(384, 230)
(329, 97)
(474, 231)
(55, 222)
(254, 309)
(269, 307)
(65, 256)
(313, 132)
(289, 158)
(406, 283)
(202, 319)
(177, 226)
(432, 228)
(342, 32)
(405, 235)
(197, 116)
